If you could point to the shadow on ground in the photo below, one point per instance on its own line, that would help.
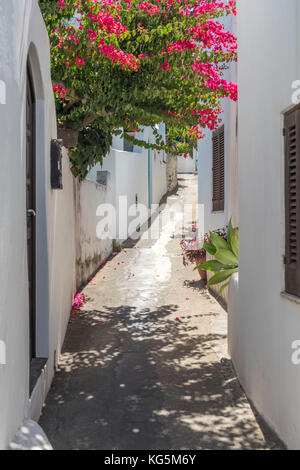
(133, 379)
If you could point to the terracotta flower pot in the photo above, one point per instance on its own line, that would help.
(202, 273)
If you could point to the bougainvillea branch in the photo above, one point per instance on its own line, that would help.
(123, 64)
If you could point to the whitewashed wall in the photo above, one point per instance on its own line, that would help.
(129, 179)
(22, 31)
(186, 165)
(128, 174)
(158, 166)
(215, 220)
(92, 248)
(159, 177)
(266, 323)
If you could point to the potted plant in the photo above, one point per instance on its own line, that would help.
(194, 251)
(226, 256)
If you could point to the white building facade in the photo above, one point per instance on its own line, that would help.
(48, 240)
(264, 317)
(218, 217)
(187, 163)
(137, 178)
(24, 43)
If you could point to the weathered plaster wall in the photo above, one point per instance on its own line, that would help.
(22, 31)
(159, 179)
(186, 165)
(92, 248)
(266, 324)
(215, 220)
(130, 176)
(157, 165)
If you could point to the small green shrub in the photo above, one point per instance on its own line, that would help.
(226, 257)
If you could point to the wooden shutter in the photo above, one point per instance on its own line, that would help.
(218, 143)
(292, 202)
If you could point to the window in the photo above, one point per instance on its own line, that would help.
(128, 146)
(102, 177)
(218, 169)
(292, 200)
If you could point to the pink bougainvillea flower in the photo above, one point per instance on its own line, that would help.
(78, 302)
(197, 53)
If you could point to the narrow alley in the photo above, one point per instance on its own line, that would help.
(144, 365)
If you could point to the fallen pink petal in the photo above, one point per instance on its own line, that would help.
(78, 301)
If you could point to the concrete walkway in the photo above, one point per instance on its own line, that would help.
(144, 366)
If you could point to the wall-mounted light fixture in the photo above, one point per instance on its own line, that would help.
(56, 164)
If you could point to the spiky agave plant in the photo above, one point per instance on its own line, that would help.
(226, 257)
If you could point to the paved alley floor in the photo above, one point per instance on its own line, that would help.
(144, 366)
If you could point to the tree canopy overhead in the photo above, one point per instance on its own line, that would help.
(131, 63)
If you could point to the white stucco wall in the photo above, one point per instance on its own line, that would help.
(159, 177)
(22, 30)
(129, 177)
(118, 142)
(186, 165)
(92, 248)
(215, 220)
(158, 166)
(267, 325)
(128, 174)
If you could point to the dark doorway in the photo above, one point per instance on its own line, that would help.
(31, 209)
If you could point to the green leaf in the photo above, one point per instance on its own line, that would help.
(212, 265)
(106, 94)
(235, 242)
(226, 257)
(221, 276)
(218, 241)
(210, 248)
(229, 232)
(224, 287)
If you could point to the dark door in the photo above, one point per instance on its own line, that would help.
(30, 206)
